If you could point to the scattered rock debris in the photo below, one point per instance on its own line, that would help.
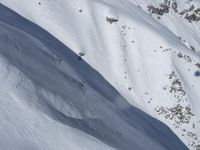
(191, 14)
(179, 114)
(147, 97)
(175, 88)
(185, 57)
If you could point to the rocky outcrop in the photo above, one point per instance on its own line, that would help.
(191, 14)
(163, 7)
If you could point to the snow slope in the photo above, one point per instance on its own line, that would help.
(52, 100)
(149, 61)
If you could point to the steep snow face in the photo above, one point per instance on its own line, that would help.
(51, 99)
(151, 59)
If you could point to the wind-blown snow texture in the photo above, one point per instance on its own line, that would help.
(149, 54)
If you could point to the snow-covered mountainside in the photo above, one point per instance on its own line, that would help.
(50, 99)
(148, 50)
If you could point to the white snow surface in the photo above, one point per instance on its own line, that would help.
(54, 101)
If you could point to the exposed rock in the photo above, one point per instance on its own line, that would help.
(191, 14)
(111, 20)
(80, 55)
(163, 7)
